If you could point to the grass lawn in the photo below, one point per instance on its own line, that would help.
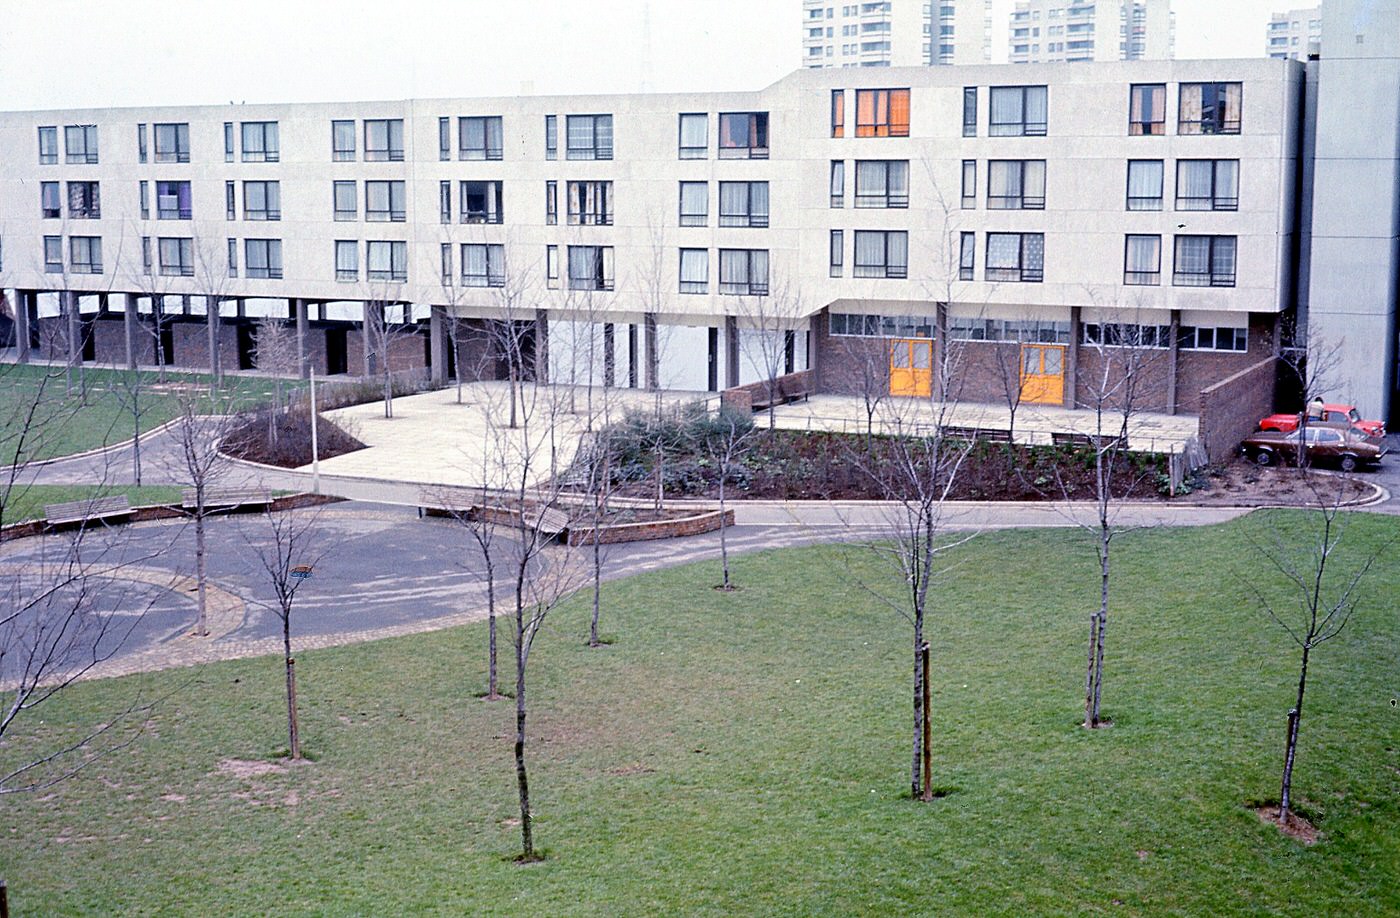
(28, 503)
(66, 423)
(748, 753)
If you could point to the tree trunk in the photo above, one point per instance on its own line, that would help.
(1089, 674)
(511, 376)
(915, 786)
(136, 435)
(1291, 747)
(293, 738)
(927, 778)
(492, 689)
(723, 538)
(200, 564)
(527, 841)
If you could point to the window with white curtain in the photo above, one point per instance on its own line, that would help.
(85, 254)
(1016, 184)
(882, 183)
(1018, 111)
(695, 203)
(445, 263)
(743, 272)
(481, 202)
(445, 202)
(347, 260)
(838, 254)
(1142, 261)
(969, 184)
(344, 197)
(384, 201)
(1015, 257)
(1209, 108)
(694, 136)
(479, 137)
(589, 137)
(342, 141)
(232, 257)
(483, 265)
(1207, 184)
(383, 140)
(590, 203)
(838, 183)
(882, 253)
(260, 142)
(50, 201)
(48, 146)
(262, 258)
(386, 261)
(172, 143)
(695, 271)
(1204, 261)
(1144, 184)
(53, 255)
(176, 256)
(262, 200)
(743, 204)
(590, 267)
(80, 143)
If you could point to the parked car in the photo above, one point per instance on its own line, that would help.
(1347, 449)
(1343, 416)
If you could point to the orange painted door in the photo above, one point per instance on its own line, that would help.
(911, 367)
(1043, 374)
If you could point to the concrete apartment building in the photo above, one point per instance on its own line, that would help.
(1051, 31)
(895, 33)
(879, 214)
(1294, 35)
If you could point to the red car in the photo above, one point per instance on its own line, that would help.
(1332, 416)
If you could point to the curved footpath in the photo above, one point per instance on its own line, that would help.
(413, 599)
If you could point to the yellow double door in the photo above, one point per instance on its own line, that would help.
(1042, 370)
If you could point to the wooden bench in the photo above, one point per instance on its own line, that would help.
(84, 511)
(226, 498)
(550, 521)
(992, 435)
(1065, 438)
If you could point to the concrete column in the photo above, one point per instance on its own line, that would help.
(653, 351)
(211, 323)
(1172, 358)
(731, 352)
(130, 318)
(1072, 359)
(435, 345)
(370, 367)
(23, 325)
(542, 345)
(609, 354)
(73, 324)
(300, 307)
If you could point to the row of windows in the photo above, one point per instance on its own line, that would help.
(876, 253)
(1013, 111)
(882, 183)
(1197, 261)
(1201, 184)
(1041, 331)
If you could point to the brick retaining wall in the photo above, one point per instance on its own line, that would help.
(1230, 410)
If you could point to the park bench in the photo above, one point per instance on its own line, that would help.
(1066, 438)
(84, 511)
(992, 435)
(226, 498)
(785, 393)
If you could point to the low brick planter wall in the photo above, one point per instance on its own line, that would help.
(698, 523)
(170, 512)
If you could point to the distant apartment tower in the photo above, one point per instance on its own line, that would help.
(895, 33)
(1294, 34)
(1052, 31)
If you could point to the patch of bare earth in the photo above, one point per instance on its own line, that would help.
(1242, 484)
(1297, 827)
(250, 768)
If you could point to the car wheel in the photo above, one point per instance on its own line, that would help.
(1264, 457)
(1348, 463)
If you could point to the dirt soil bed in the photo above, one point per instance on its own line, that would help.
(1241, 483)
(290, 445)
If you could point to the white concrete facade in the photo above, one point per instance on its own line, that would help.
(895, 33)
(1052, 31)
(1084, 220)
(1294, 35)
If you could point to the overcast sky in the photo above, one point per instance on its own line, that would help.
(100, 53)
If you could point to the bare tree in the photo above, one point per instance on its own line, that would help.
(1114, 385)
(770, 320)
(287, 556)
(1311, 365)
(275, 350)
(723, 437)
(1322, 591)
(65, 607)
(385, 336)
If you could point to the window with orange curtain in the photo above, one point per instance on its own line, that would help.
(882, 113)
(838, 113)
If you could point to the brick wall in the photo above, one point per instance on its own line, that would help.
(848, 365)
(1230, 409)
(657, 529)
(790, 385)
(406, 352)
